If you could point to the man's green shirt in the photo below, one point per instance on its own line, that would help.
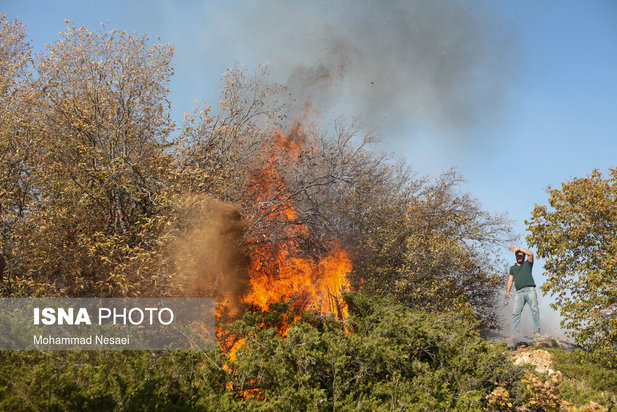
(522, 275)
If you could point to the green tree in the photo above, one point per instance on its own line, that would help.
(577, 235)
(451, 252)
(422, 241)
(98, 161)
(16, 140)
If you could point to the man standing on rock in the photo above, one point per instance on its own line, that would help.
(520, 275)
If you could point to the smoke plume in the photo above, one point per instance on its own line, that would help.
(209, 254)
(438, 64)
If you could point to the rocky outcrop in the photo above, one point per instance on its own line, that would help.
(551, 342)
(540, 359)
(536, 342)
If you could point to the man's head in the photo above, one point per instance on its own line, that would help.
(520, 256)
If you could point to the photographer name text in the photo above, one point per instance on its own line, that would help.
(83, 340)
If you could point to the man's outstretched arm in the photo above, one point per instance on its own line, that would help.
(529, 253)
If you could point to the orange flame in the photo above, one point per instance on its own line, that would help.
(280, 270)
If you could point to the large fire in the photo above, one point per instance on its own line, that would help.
(279, 270)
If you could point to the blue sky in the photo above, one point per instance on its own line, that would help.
(528, 100)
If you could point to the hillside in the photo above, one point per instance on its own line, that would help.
(383, 357)
(561, 378)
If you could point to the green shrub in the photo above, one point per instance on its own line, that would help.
(131, 380)
(383, 357)
(585, 379)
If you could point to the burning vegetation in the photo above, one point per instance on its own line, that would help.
(279, 269)
(273, 257)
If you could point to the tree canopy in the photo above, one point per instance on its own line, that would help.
(577, 234)
(100, 187)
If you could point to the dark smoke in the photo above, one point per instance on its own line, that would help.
(439, 64)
